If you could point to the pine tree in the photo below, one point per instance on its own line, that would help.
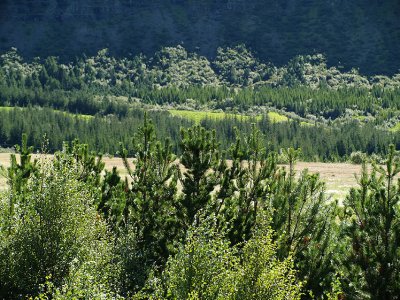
(113, 197)
(246, 185)
(90, 163)
(199, 159)
(372, 228)
(303, 218)
(18, 174)
(149, 214)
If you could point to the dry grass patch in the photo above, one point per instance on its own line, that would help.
(339, 177)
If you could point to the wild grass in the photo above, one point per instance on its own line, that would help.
(6, 108)
(68, 114)
(198, 116)
(395, 128)
(79, 116)
(275, 117)
(304, 123)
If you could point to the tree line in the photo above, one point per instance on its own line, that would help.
(318, 142)
(347, 112)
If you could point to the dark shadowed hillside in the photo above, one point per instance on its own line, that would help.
(359, 33)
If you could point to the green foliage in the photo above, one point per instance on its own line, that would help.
(149, 214)
(275, 30)
(203, 224)
(175, 67)
(89, 164)
(103, 134)
(54, 230)
(304, 220)
(371, 228)
(100, 96)
(357, 157)
(206, 267)
(262, 274)
(18, 174)
(336, 291)
(175, 76)
(81, 286)
(113, 198)
(245, 185)
(318, 142)
(199, 158)
(300, 213)
(238, 66)
(202, 268)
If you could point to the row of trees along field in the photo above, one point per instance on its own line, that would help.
(319, 142)
(208, 228)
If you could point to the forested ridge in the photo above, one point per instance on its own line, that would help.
(327, 112)
(362, 33)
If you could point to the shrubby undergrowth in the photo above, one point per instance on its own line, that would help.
(50, 228)
(206, 266)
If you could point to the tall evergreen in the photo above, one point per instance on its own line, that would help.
(372, 230)
(149, 214)
(199, 159)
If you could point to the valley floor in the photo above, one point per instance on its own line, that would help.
(339, 177)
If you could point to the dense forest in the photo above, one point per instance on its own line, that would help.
(361, 33)
(318, 143)
(327, 112)
(194, 226)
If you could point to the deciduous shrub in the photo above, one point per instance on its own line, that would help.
(53, 230)
(206, 267)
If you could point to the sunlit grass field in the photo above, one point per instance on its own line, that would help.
(198, 116)
(395, 128)
(6, 108)
(68, 114)
(275, 117)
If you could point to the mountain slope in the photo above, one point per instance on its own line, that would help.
(360, 33)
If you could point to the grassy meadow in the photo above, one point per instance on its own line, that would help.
(198, 116)
(68, 114)
(339, 177)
